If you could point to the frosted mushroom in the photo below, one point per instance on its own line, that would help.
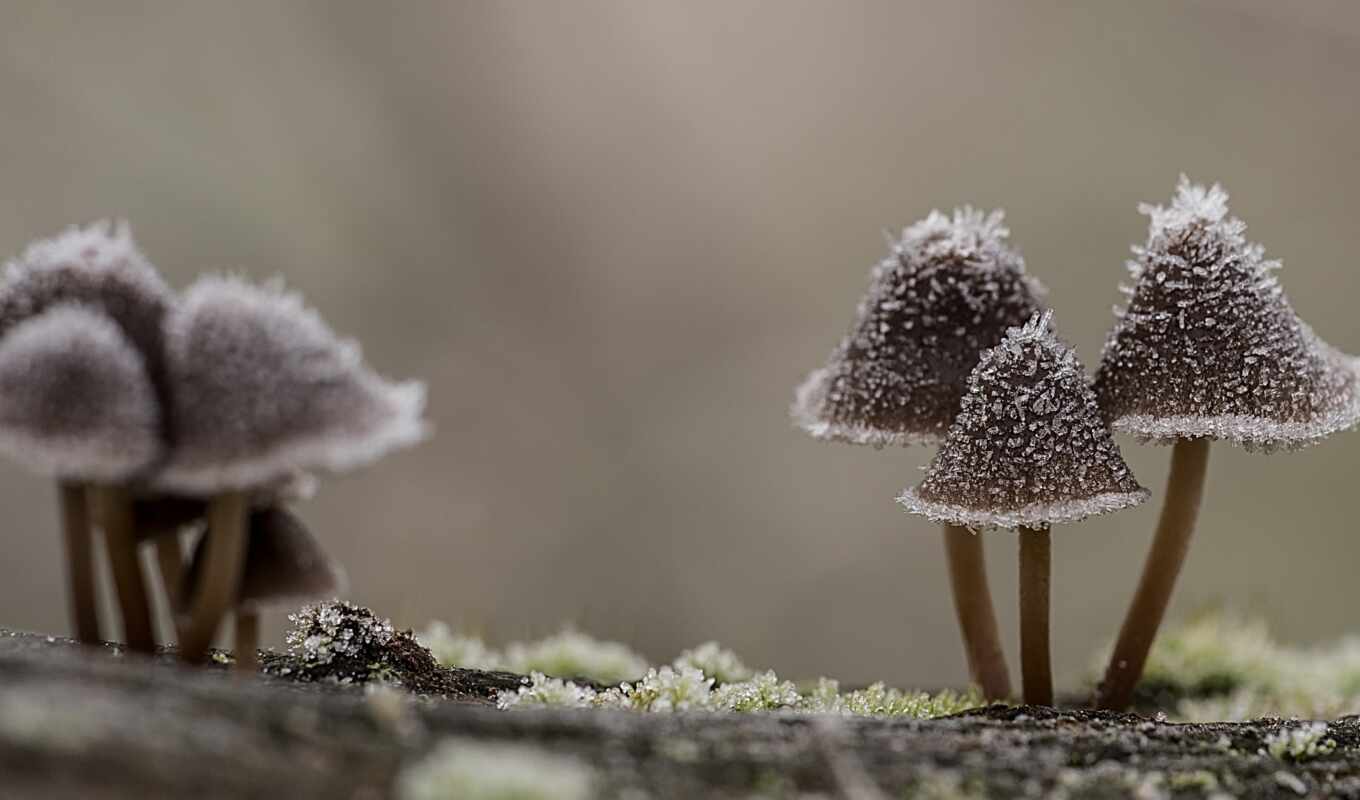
(98, 267)
(1028, 449)
(284, 565)
(1207, 347)
(261, 389)
(950, 290)
(76, 404)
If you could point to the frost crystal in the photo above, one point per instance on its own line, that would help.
(1208, 344)
(1029, 446)
(949, 291)
(75, 399)
(339, 642)
(262, 388)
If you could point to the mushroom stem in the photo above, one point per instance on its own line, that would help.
(1184, 489)
(111, 507)
(1035, 670)
(247, 641)
(170, 558)
(221, 578)
(977, 619)
(75, 524)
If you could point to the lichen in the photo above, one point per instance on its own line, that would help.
(715, 661)
(1300, 743)
(566, 654)
(462, 769)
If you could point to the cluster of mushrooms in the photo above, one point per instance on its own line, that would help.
(953, 346)
(171, 418)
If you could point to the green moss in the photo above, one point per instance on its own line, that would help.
(459, 769)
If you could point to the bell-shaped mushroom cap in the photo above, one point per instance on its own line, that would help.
(75, 400)
(1209, 346)
(285, 564)
(949, 291)
(1029, 447)
(261, 389)
(98, 266)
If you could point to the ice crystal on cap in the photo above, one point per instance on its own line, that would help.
(1029, 446)
(98, 266)
(1208, 344)
(261, 388)
(949, 291)
(75, 400)
(284, 563)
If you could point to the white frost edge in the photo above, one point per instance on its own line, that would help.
(806, 414)
(1257, 434)
(405, 428)
(1037, 515)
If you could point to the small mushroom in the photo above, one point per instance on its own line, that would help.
(284, 565)
(98, 267)
(262, 389)
(76, 404)
(950, 290)
(1028, 449)
(1207, 347)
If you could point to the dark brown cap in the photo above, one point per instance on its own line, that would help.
(285, 564)
(1209, 345)
(1029, 447)
(949, 291)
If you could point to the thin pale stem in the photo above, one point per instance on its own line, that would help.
(247, 641)
(977, 618)
(1184, 490)
(112, 509)
(170, 559)
(79, 536)
(219, 583)
(1035, 563)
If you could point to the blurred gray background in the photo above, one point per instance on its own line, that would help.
(614, 235)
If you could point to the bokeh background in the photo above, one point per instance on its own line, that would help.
(613, 236)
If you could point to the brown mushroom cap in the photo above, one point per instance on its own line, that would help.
(284, 565)
(98, 266)
(950, 290)
(75, 399)
(1029, 447)
(261, 389)
(1209, 345)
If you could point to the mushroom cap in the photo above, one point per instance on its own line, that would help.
(75, 399)
(949, 291)
(1209, 345)
(98, 266)
(261, 389)
(1029, 446)
(285, 564)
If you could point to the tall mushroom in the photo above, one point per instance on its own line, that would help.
(1208, 347)
(284, 564)
(950, 290)
(76, 403)
(1028, 449)
(261, 389)
(99, 267)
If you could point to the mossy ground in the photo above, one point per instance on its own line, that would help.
(88, 722)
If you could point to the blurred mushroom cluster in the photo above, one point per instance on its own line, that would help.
(948, 347)
(183, 418)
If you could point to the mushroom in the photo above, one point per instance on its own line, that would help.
(1207, 347)
(284, 565)
(262, 389)
(949, 291)
(1028, 449)
(98, 267)
(76, 403)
